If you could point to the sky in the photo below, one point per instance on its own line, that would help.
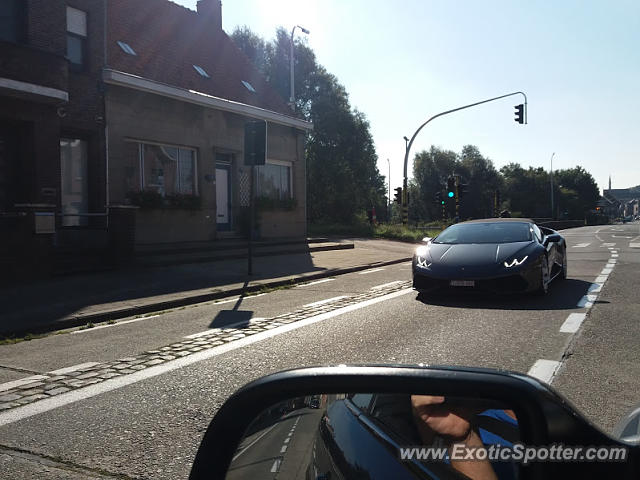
(403, 61)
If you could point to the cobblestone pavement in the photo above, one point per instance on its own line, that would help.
(40, 387)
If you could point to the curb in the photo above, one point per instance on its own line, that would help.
(97, 317)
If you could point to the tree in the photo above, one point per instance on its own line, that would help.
(342, 175)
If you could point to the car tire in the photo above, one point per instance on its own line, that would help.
(543, 288)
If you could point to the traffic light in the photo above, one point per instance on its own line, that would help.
(451, 187)
(519, 113)
(438, 198)
(398, 195)
(463, 189)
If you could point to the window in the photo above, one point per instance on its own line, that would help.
(362, 400)
(74, 185)
(126, 48)
(249, 86)
(166, 169)
(201, 71)
(76, 36)
(12, 20)
(274, 180)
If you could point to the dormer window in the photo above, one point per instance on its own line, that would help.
(249, 86)
(126, 48)
(201, 71)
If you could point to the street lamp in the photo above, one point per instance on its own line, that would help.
(292, 98)
(551, 180)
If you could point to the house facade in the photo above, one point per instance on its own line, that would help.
(123, 123)
(178, 94)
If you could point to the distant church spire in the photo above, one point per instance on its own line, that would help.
(609, 181)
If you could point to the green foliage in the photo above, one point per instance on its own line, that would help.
(342, 175)
(402, 233)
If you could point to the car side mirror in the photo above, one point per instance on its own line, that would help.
(276, 422)
(426, 239)
(554, 237)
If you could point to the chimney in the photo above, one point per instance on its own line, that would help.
(211, 12)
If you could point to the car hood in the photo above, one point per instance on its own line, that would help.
(475, 254)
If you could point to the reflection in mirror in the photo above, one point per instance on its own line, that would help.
(365, 435)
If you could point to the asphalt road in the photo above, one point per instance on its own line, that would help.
(148, 423)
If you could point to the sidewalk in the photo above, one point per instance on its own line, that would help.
(64, 302)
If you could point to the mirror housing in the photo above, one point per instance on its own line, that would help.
(544, 417)
(554, 237)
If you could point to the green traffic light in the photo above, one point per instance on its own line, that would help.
(442, 202)
(450, 194)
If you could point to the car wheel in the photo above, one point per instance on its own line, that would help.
(543, 288)
(563, 275)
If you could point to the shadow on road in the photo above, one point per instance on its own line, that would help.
(563, 295)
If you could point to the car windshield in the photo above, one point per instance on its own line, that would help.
(502, 232)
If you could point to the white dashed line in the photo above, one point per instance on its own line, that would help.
(608, 245)
(35, 408)
(601, 278)
(634, 245)
(385, 285)
(614, 255)
(283, 449)
(286, 440)
(22, 381)
(108, 325)
(315, 283)
(582, 245)
(544, 370)
(595, 288)
(587, 301)
(614, 261)
(370, 271)
(276, 466)
(573, 322)
(606, 271)
(254, 442)
(73, 368)
(322, 302)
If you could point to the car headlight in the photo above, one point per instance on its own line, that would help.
(515, 262)
(421, 257)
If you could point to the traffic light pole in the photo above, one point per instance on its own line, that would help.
(410, 143)
(457, 197)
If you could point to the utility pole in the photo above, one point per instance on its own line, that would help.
(551, 180)
(389, 197)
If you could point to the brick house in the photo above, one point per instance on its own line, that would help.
(52, 164)
(109, 104)
(178, 93)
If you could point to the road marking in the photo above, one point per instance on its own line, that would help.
(276, 466)
(610, 265)
(322, 302)
(73, 368)
(283, 449)
(587, 301)
(608, 245)
(614, 255)
(544, 370)
(573, 322)
(634, 245)
(621, 236)
(606, 271)
(614, 261)
(41, 406)
(384, 285)
(286, 440)
(211, 331)
(254, 442)
(411, 263)
(22, 381)
(370, 271)
(582, 245)
(315, 283)
(601, 278)
(108, 325)
(595, 288)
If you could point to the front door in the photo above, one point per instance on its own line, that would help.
(223, 197)
(74, 190)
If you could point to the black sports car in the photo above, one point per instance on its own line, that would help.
(499, 254)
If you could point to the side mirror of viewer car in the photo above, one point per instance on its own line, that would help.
(340, 412)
